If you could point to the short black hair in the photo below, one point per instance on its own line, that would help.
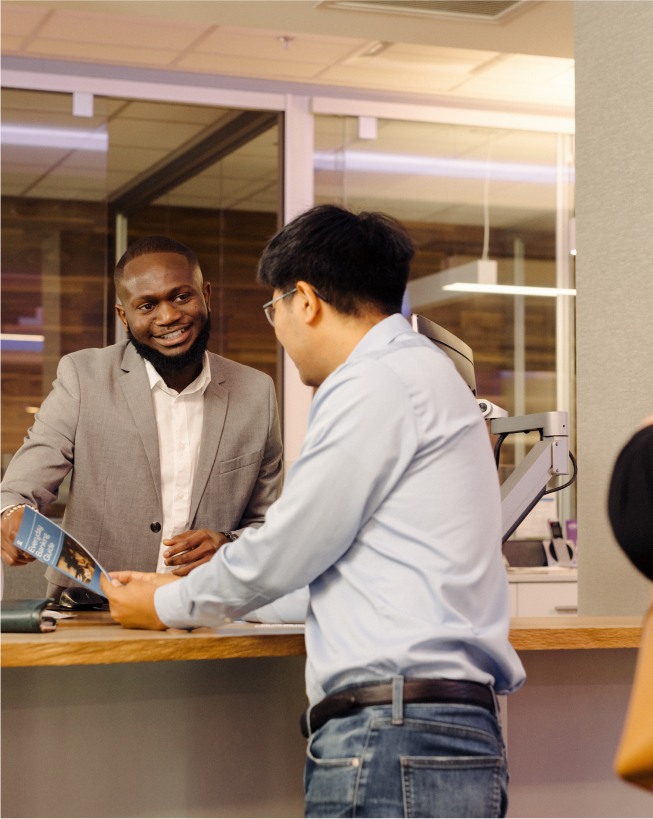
(154, 244)
(352, 260)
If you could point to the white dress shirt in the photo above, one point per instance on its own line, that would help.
(392, 516)
(179, 418)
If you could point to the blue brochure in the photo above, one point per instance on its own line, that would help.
(43, 539)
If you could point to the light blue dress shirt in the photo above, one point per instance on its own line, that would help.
(391, 516)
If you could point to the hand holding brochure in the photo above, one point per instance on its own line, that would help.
(45, 540)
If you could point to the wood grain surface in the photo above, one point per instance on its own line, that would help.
(94, 639)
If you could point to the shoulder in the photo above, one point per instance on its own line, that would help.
(234, 373)
(363, 388)
(97, 355)
(94, 361)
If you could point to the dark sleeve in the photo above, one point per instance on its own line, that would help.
(630, 500)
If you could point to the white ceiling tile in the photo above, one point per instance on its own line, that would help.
(64, 191)
(249, 66)
(36, 101)
(527, 67)
(151, 134)
(164, 112)
(109, 53)
(400, 57)
(269, 45)
(390, 77)
(19, 155)
(142, 133)
(22, 18)
(11, 43)
(138, 32)
(132, 159)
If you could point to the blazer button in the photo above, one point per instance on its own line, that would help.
(155, 527)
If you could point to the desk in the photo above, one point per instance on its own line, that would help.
(94, 638)
(131, 723)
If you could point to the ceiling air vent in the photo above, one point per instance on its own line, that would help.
(480, 10)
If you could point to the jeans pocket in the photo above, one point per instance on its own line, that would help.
(330, 782)
(465, 786)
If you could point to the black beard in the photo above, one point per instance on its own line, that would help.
(166, 364)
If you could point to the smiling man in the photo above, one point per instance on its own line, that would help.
(162, 437)
(164, 307)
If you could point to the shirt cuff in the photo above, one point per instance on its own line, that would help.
(170, 607)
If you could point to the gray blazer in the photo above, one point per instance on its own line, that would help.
(99, 421)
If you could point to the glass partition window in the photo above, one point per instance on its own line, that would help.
(54, 285)
(466, 194)
(77, 189)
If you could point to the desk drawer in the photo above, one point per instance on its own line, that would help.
(547, 599)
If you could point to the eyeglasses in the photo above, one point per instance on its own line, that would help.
(268, 307)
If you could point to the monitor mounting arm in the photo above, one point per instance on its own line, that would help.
(548, 458)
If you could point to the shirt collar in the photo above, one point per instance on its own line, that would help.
(199, 384)
(381, 334)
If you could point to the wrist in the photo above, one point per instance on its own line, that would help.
(231, 536)
(8, 511)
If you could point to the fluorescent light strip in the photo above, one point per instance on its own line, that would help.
(67, 138)
(20, 337)
(509, 289)
(372, 162)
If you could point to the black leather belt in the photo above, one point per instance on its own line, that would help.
(343, 702)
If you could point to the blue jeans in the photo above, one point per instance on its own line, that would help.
(429, 760)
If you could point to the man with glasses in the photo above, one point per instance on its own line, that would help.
(161, 435)
(391, 516)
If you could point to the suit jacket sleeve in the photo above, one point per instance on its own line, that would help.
(38, 468)
(270, 476)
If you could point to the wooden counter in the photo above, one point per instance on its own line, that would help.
(95, 639)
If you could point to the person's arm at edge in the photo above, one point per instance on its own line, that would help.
(47, 450)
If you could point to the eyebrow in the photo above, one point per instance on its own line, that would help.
(170, 294)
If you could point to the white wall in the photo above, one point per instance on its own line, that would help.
(614, 224)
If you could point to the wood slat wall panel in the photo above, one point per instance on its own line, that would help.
(57, 252)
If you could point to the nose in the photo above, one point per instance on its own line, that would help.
(167, 313)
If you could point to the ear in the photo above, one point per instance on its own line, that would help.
(206, 292)
(310, 305)
(120, 310)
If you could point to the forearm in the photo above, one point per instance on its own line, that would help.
(38, 468)
(307, 530)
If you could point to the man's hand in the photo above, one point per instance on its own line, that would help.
(190, 549)
(11, 520)
(131, 598)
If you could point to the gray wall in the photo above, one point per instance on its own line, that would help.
(614, 224)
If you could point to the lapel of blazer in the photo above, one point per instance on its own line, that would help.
(216, 398)
(138, 395)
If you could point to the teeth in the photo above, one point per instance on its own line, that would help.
(176, 334)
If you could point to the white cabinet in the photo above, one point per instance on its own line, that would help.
(547, 593)
(512, 588)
